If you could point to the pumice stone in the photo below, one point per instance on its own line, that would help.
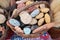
(28, 3)
(44, 10)
(2, 18)
(47, 18)
(25, 17)
(39, 16)
(42, 5)
(33, 27)
(27, 30)
(14, 22)
(34, 21)
(35, 12)
(1, 10)
(41, 21)
(28, 26)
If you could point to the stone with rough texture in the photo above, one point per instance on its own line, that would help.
(35, 12)
(1, 10)
(39, 16)
(37, 6)
(47, 18)
(28, 3)
(33, 27)
(28, 26)
(27, 30)
(25, 17)
(41, 21)
(34, 21)
(42, 5)
(44, 10)
(14, 22)
(2, 18)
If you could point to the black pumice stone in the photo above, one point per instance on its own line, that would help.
(33, 27)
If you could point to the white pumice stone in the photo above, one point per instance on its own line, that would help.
(25, 17)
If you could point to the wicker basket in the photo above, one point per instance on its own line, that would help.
(20, 10)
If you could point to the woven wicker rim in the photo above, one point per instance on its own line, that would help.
(20, 10)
